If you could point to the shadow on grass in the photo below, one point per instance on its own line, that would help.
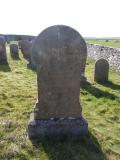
(31, 67)
(111, 85)
(97, 92)
(5, 68)
(15, 58)
(68, 148)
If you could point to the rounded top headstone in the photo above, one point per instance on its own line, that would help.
(101, 70)
(58, 37)
(60, 53)
(103, 63)
(102, 60)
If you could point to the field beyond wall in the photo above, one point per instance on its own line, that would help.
(108, 42)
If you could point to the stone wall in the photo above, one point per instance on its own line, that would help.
(12, 37)
(109, 53)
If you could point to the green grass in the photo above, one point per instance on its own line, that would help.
(101, 108)
(111, 43)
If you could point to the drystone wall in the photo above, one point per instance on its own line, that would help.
(10, 37)
(111, 54)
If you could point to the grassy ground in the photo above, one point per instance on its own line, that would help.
(112, 43)
(101, 108)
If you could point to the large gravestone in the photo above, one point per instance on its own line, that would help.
(14, 51)
(101, 70)
(59, 52)
(3, 56)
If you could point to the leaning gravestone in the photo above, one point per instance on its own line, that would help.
(101, 70)
(3, 56)
(59, 53)
(14, 51)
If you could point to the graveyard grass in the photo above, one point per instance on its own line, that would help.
(101, 108)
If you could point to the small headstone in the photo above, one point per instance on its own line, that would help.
(3, 56)
(59, 52)
(14, 51)
(101, 70)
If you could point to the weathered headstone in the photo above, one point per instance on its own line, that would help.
(59, 52)
(14, 51)
(3, 56)
(101, 70)
(25, 47)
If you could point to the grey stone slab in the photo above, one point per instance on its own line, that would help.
(60, 54)
(101, 70)
(14, 51)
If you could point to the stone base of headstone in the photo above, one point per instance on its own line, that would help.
(38, 129)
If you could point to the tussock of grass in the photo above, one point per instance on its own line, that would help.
(101, 108)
